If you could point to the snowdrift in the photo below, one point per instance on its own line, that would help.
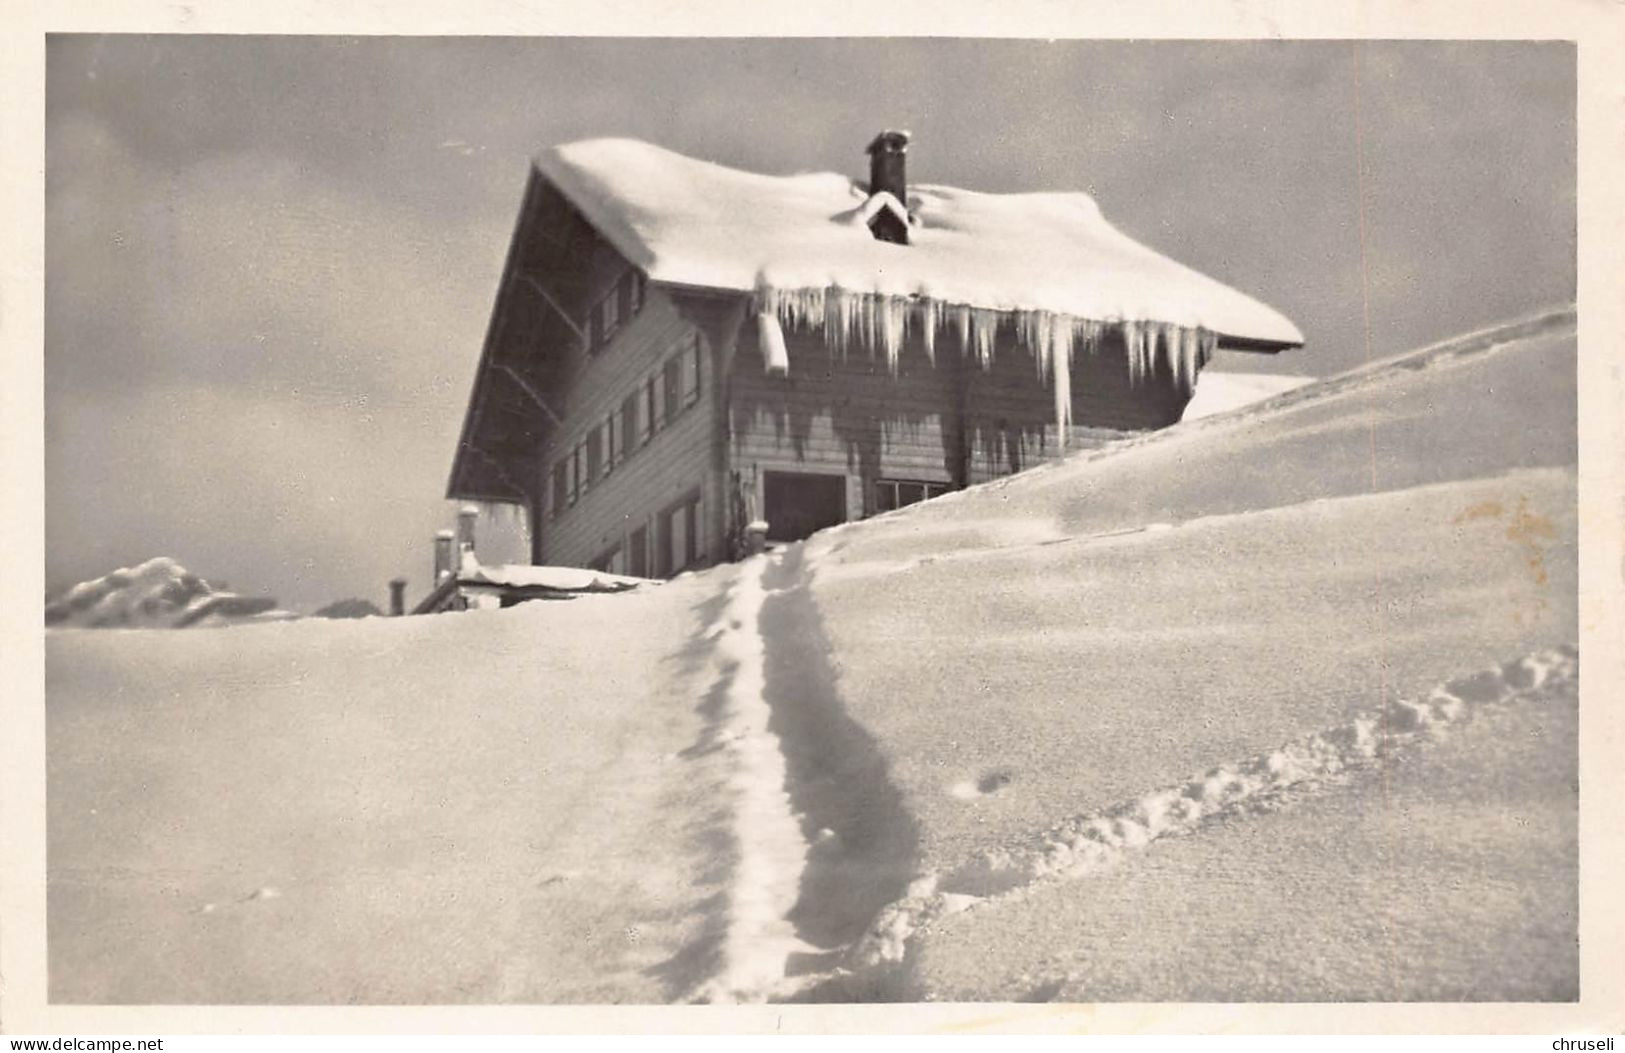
(1217, 688)
(1032, 654)
(485, 807)
(1221, 392)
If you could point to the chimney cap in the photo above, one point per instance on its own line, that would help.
(447, 534)
(892, 139)
(469, 510)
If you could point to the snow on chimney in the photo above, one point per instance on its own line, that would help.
(887, 154)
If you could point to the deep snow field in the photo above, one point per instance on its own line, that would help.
(1277, 704)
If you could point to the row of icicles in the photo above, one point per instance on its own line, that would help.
(879, 320)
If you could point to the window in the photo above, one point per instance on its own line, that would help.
(691, 373)
(629, 423)
(609, 317)
(673, 385)
(624, 299)
(561, 486)
(595, 455)
(612, 440)
(638, 553)
(896, 493)
(678, 537)
(635, 292)
(651, 410)
(578, 479)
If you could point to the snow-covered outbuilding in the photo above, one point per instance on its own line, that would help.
(679, 349)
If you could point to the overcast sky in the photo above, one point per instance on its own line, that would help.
(270, 261)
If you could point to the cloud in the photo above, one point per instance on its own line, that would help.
(253, 271)
(251, 364)
(302, 498)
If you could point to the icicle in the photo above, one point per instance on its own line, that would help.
(1131, 348)
(1060, 367)
(962, 323)
(770, 337)
(837, 320)
(1189, 352)
(1086, 334)
(1037, 331)
(882, 322)
(930, 319)
(1163, 348)
(985, 330)
(893, 326)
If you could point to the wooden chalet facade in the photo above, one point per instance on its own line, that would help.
(645, 396)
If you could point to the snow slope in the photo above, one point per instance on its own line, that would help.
(1223, 391)
(500, 806)
(1445, 872)
(1194, 715)
(1043, 648)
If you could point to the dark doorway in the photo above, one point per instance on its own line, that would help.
(795, 503)
(637, 563)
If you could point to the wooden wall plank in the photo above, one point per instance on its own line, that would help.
(950, 421)
(677, 459)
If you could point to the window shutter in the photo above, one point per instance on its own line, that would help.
(673, 380)
(595, 454)
(629, 422)
(623, 292)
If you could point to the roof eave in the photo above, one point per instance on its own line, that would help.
(1256, 345)
(465, 441)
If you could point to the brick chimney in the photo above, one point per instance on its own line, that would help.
(888, 154)
(397, 597)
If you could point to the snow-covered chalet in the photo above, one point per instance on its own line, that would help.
(679, 350)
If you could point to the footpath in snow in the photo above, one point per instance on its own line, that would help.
(820, 840)
(1086, 844)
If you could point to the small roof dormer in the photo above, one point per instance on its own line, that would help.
(888, 153)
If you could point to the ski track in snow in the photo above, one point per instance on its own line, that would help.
(1088, 843)
(758, 937)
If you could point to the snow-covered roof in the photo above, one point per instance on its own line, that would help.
(557, 579)
(694, 223)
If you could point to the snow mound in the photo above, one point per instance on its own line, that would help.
(1085, 844)
(691, 222)
(157, 594)
(1220, 392)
